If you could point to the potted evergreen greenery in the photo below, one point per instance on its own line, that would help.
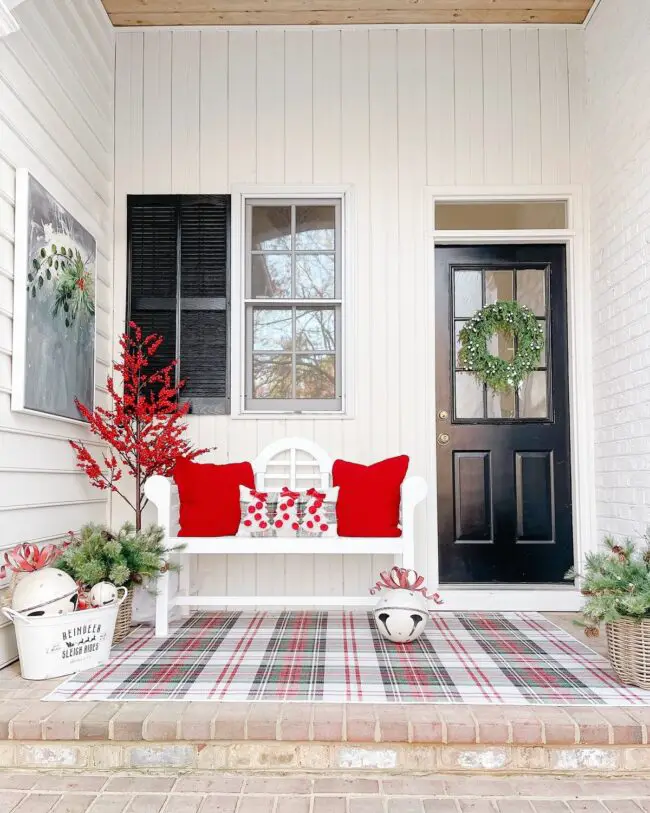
(616, 585)
(126, 558)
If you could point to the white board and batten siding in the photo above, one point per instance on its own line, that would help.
(56, 120)
(387, 111)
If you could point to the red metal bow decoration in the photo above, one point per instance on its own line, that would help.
(289, 494)
(401, 578)
(260, 495)
(318, 495)
(26, 558)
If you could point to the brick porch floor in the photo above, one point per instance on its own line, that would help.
(293, 736)
(92, 793)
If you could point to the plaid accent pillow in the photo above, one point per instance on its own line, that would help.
(318, 514)
(255, 516)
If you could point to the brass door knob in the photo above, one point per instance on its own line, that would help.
(443, 438)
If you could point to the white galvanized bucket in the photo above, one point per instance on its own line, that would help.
(54, 646)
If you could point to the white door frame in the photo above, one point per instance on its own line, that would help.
(514, 597)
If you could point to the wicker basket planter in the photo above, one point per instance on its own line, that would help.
(628, 645)
(124, 616)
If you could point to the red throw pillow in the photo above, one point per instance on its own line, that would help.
(369, 496)
(209, 496)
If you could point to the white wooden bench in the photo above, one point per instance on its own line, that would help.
(299, 464)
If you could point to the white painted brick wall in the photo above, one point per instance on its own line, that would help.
(618, 67)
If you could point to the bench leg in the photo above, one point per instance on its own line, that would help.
(184, 581)
(162, 605)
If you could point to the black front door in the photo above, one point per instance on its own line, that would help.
(504, 480)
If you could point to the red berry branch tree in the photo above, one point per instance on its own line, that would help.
(144, 427)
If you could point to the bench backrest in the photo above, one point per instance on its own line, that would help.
(294, 462)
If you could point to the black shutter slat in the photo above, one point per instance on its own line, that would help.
(164, 324)
(204, 344)
(153, 250)
(204, 248)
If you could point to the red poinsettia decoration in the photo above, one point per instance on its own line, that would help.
(401, 578)
(144, 427)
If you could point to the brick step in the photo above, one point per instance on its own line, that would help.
(34, 719)
(297, 736)
(342, 758)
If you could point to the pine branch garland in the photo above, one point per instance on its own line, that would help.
(126, 558)
(616, 582)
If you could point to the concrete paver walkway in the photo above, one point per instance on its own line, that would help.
(30, 792)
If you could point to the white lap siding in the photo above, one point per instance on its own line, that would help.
(56, 120)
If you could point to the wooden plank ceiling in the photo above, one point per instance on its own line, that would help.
(343, 12)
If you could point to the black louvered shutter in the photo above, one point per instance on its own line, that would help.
(204, 230)
(179, 287)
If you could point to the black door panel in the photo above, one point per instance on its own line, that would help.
(504, 485)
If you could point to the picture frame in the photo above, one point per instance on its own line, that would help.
(54, 335)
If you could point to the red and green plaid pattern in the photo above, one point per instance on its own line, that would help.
(338, 657)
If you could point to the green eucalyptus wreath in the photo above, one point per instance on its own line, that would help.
(512, 319)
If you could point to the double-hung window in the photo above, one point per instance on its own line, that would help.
(293, 305)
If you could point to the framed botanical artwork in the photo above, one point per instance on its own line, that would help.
(54, 306)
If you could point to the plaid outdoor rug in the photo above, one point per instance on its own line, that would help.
(339, 657)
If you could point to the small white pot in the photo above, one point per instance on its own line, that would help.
(401, 615)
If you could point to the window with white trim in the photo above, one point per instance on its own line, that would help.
(293, 304)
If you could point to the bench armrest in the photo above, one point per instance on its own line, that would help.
(162, 492)
(414, 490)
